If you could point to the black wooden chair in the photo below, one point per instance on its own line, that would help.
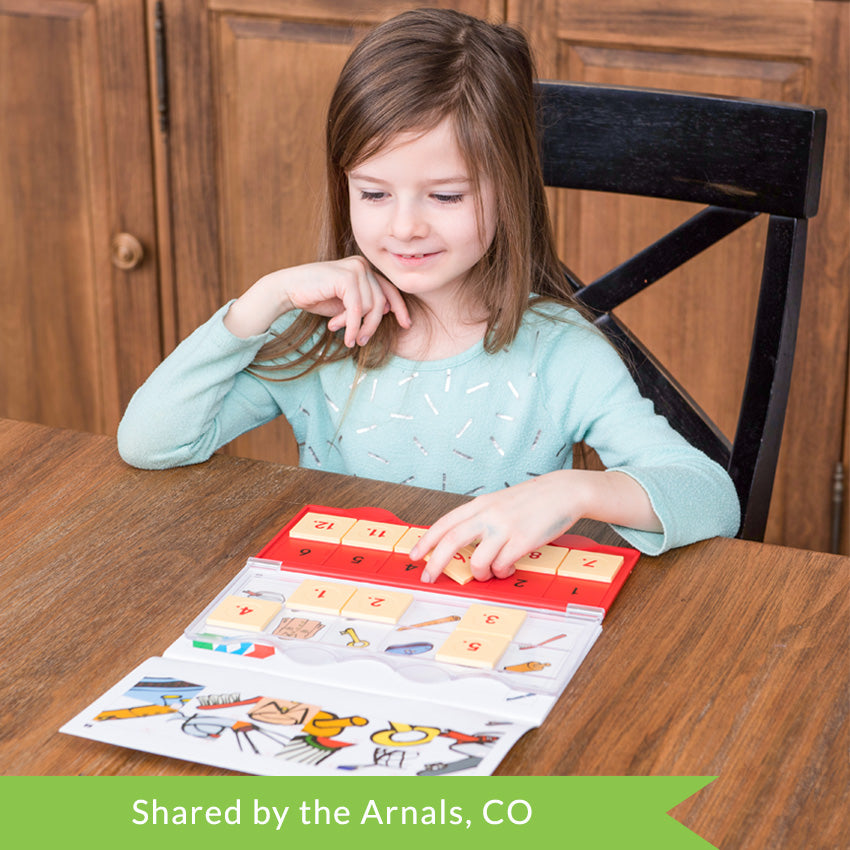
(741, 159)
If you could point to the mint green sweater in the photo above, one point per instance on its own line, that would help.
(470, 424)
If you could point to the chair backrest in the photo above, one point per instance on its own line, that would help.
(740, 158)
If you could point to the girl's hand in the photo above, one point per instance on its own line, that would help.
(508, 524)
(347, 291)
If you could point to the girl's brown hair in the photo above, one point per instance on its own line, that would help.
(408, 75)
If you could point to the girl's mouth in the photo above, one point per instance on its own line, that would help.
(414, 258)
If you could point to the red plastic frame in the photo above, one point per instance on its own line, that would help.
(527, 589)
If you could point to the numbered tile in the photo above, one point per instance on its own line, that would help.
(472, 649)
(326, 528)
(546, 559)
(243, 612)
(595, 566)
(459, 571)
(492, 620)
(320, 596)
(459, 568)
(369, 603)
(374, 535)
(408, 540)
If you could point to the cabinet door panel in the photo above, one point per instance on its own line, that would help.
(272, 78)
(766, 28)
(78, 334)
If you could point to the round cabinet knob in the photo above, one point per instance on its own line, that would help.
(127, 251)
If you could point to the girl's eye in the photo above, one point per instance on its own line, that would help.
(372, 196)
(448, 199)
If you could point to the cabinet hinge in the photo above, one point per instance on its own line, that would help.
(161, 73)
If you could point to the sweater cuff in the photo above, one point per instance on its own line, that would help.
(692, 502)
(228, 342)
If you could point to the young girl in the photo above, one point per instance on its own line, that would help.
(437, 343)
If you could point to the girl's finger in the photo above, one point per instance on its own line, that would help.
(440, 529)
(396, 301)
(485, 559)
(352, 299)
(445, 550)
(375, 313)
(336, 322)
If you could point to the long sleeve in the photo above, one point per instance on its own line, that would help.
(693, 496)
(198, 399)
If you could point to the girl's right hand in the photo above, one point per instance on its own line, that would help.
(348, 291)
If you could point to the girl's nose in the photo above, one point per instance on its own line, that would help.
(408, 222)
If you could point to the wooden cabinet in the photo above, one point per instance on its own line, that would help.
(196, 127)
(78, 333)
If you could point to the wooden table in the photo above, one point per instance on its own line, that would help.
(724, 658)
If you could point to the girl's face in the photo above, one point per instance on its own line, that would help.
(415, 216)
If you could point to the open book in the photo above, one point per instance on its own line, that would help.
(329, 656)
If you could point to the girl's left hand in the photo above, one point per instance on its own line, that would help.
(507, 525)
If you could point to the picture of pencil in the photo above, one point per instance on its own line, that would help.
(450, 619)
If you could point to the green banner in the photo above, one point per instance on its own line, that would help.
(226, 812)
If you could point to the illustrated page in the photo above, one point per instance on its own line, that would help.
(255, 723)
